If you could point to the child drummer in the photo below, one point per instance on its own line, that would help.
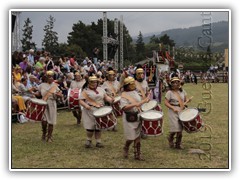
(175, 100)
(112, 86)
(49, 92)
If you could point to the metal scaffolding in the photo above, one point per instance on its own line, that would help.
(16, 43)
(109, 40)
(121, 42)
(116, 33)
(104, 40)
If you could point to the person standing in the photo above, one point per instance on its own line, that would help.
(111, 85)
(78, 83)
(30, 57)
(91, 98)
(50, 92)
(174, 101)
(141, 83)
(130, 103)
(95, 55)
(112, 88)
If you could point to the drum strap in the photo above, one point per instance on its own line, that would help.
(112, 88)
(139, 87)
(50, 91)
(179, 99)
(91, 101)
(130, 99)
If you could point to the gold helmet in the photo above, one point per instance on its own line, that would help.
(111, 75)
(175, 79)
(130, 82)
(92, 78)
(91, 81)
(77, 74)
(50, 73)
(140, 74)
(139, 70)
(111, 72)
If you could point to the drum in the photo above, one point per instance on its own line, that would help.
(151, 105)
(36, 109)
(73, 98)
(152, 122)
(105, 118)
(116, 106)
(190, 120)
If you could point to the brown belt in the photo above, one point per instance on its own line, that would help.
(176, 105)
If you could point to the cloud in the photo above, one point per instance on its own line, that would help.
(144, 21)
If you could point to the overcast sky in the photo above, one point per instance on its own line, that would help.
(144, 21)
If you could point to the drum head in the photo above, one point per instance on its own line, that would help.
(116, 99)
(38, 101)
(74, 91)
(149, 106)
(102, 111)
(151, 115)
(73, 94)
(188, 114)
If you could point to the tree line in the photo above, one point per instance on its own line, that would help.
(84, 38)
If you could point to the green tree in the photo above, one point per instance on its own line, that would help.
(154, 40)
(50, 41)
(140, 47)
(209, 55)
(90, 36)
(85, 37)
(27, 36)
(165, 39)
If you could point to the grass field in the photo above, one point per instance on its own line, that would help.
(68, 151)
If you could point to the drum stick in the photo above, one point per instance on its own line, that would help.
(188, 100)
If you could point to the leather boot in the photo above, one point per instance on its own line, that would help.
(79, 117)
(137, 152)
(179, 141)
(170, 139)
(49, 135)
(44, 130)
(126, 148)
(78, 121)
(114, 129)
(143, 136)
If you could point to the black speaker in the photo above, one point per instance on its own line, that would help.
(13, 22)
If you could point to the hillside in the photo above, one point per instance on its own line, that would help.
(189, 36)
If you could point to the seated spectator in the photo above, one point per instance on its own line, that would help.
(40, 63)
(17, 73)
(32, 82)
(62, 85)
(49, 64)
(31, 57)
(25, 92)
(18, 104)
(64, 64)
(24, 64)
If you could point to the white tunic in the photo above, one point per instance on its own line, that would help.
(87, 115)
(174, 122)
(50, 114)
(131, 129)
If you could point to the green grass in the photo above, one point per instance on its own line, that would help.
(68, 151)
